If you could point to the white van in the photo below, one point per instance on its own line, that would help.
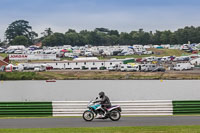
(126, 68)
(18, 52)
(141, 67)
(145, 67)
(152, 58)
(39, 68)
(150, 67)
(183, 66)
(166, 58)
(136, 68)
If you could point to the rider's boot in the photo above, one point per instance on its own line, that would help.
(98, 116)
(105, 113)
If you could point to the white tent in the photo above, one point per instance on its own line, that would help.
(86, 59)
(195, 61)
(19, 47)
(10, 65)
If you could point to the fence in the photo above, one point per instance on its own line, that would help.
(186, 107)
(76, 108)
(23, 109)
(151, 107)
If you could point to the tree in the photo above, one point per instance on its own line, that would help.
(57, 39)
(20, 28)
(165, 37)
(172, 39)
(47, 32)
(156, 37)
(72, 38)
(104, 30)
(112, 40)
(71, 31)
(135, 37)
(20, 40)
(125, 39)
(103, 36)
(84, 34)
(1, 43)
(96, 38)
(114, 32)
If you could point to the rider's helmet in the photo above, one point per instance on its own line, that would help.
(101, 94)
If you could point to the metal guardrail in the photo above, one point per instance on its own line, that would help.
(76, 108)
(23, 109)
(142, 107)
(186, 107)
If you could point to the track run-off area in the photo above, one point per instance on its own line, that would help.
(79, 122)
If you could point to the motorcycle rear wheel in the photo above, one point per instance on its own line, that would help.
(88, 115)
(115, 115)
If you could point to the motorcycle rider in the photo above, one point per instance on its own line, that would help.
(105, 103)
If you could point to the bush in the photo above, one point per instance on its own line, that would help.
(18, 76)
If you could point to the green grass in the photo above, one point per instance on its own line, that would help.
(3, 55)
(157, 52)
(92, 75)
(19, 76)
(124, 57)
(169, 52)
(155, 129)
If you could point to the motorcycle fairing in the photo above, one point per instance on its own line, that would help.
(113, 107)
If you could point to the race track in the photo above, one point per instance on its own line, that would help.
(79, 122)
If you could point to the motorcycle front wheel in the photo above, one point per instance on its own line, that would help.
(115, 115)
(88, 115)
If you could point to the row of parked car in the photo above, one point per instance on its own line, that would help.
(150, 67)
(164, 59)
(139, 67)
(20, 67)
(11, 51)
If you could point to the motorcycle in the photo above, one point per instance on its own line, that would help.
(114, 113)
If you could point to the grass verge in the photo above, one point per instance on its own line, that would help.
(3, 55)
(20, 76)
(98, 75)
(157, 53)
(150, 129)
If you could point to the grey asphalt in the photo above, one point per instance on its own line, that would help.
(79, 122)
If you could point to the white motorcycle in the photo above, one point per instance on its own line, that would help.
(114, 113)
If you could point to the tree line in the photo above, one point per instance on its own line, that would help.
(20, 33)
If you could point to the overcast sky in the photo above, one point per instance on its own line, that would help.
(123, 15)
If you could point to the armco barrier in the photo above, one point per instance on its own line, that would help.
(76, 108)
(186, 107)
(150, 107)
(20, 109)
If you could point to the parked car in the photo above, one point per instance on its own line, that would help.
(148, 67)
(39, 68)
(183, 66)
(126, 68)
(2, 68)
(159, 69)
(10, 51)
(48, 67)
(150, 59)
(2, 50)
(18, 52)
(102, 68)
(137, 68)
(166, 58)
(112, 68)
(182, 58)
